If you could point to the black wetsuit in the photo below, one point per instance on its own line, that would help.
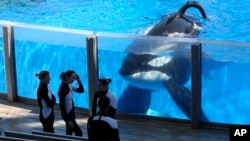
(65, 94)
(46, 101)
(112, 106)
(102, 128)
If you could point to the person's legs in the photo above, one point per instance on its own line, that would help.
(69, 130)
(48, 127)
(48, 123)
(77, 130)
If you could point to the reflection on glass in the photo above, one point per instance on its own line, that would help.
(225, 93)
(3, 85)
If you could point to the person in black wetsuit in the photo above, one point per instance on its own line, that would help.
(46, 101)
(103, 90)
(65, 94)
(101, 127)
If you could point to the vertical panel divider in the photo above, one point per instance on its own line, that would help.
(196, 50)
(10, 62)
(92, 63)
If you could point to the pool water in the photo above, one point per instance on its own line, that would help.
(228, 20)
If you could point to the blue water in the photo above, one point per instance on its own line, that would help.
(228, 20)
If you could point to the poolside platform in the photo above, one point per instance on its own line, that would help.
(23, 117)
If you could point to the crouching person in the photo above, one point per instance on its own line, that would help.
(102, 127)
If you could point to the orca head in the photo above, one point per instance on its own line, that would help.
(145, 70)
(184, 26)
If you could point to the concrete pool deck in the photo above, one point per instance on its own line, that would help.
(17, 116)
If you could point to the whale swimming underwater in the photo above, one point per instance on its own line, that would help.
(147, 71)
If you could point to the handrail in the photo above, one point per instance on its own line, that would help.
(48, 28)
(176, 39)
(132, 36)
(48, 34)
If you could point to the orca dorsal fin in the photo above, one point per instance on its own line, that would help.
(190, 4)
(184, 8)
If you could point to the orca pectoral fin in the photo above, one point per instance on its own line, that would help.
(181, 96)
(134, 100)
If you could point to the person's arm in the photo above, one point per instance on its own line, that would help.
(53, 99)
(39, 96)
(80, 88)
(44, 95)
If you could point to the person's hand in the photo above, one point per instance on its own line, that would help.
(70, 124)
(77, 77)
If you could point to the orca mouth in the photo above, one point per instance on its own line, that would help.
(133, 63)
(129, 68)
(129, 65)
(152, 80)
(126, 71)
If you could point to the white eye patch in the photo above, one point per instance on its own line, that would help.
(159, 61)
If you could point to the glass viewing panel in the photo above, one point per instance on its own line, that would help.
(52, 49)
(137, 67)
(150, 75)
(3, 84)
(226, 82)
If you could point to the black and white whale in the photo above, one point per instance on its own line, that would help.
(147, 69)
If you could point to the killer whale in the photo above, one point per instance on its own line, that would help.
(146, 71)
